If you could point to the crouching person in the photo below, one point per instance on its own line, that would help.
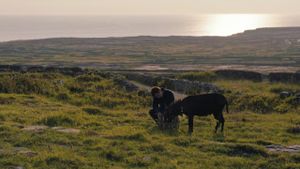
(162, 98)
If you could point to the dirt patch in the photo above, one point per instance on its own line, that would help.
(66, 130)
(28, 153)
(19, 150)
(280, 148)
(15, 167)
(41, 128)
(35, 129)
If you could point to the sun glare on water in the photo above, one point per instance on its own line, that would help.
(228, 24)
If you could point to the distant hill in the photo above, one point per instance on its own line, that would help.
(264, 46)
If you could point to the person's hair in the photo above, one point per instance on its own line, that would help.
(155, 90)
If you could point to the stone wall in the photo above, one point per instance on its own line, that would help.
(240, 74)
(284, 77)
(184, 86)
(33, 68)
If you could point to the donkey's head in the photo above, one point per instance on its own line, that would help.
(175, 109)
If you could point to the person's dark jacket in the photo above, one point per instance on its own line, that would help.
(160, 104)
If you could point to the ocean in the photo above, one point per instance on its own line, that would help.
(38, 27)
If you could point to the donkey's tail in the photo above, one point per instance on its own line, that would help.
(227, 106)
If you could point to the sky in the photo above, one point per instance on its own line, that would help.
(146, 7)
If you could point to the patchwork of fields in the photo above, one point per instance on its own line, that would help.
(265, 47)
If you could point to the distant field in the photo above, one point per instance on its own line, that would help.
(267, 48)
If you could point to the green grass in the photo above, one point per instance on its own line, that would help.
(117, 132)
(198, 76)
(260, 97)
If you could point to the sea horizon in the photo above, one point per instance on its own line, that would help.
(14, 28)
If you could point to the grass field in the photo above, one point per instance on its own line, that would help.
(91, 121)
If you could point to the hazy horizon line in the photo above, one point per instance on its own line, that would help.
(282, 14)
(159, 36)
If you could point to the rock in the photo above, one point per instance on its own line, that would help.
(285, 94)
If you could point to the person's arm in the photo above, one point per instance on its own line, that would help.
(172, 97)
(155, 105)
(162, 108)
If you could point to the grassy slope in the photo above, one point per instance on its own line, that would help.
(129, 139)
(125, 137)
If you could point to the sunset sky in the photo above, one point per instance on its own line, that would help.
(146, 7)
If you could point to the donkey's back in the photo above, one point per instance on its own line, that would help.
(203, 105)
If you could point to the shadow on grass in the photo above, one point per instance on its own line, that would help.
(220, 137)
(131, 137)
(169, 132)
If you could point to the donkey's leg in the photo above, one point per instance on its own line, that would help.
(218, 121)
(222, 120)
(217, 126)
(191, 121)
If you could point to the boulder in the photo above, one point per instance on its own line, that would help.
(285, 94)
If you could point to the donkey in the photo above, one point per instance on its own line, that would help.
(200, 105)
